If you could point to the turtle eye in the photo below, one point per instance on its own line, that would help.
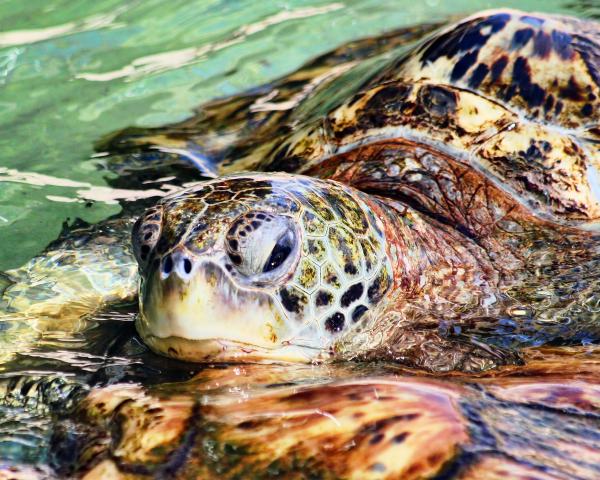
(281, 251)
(260, 244)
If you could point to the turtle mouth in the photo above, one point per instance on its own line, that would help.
(221, 350)
(203, 316)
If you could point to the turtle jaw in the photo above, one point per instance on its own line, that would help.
(219, 350)
(205, 317)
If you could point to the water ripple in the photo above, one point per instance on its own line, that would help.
(165, 61)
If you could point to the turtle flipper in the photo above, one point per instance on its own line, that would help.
(232, 132)
(345, 421)
(87, 269)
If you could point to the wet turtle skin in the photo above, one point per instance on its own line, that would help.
(345, 421)
(442, 210)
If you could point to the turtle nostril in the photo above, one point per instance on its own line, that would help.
(168, 265)
(187, 265)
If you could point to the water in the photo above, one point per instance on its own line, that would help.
(72, 72)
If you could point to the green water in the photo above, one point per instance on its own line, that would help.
(73, 71)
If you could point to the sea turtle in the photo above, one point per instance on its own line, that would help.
(433, 202)
(439, 206)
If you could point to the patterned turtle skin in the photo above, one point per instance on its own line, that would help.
(443, 212)
(298, 250)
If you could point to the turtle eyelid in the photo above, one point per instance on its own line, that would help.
(281, 251)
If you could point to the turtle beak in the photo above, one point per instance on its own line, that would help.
(196, 313)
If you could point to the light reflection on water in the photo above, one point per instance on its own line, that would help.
(73, 75)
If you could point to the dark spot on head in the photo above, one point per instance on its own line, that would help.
(461, 67)
(335, 323)
(587, 110)
(236, 259)
(290, 301)
(558, 108)
(233, 244)
(187, 265)
(400, 437)
(435, 458)
(520, 38)
(350, 269)
(498, 67)
(438, 101)
(261, 216)
(572, 91)
(561, 42)
(478, 75)
(542, 44)
(385, 103)
(377, 438)
(358, 313)
(510, 92)
(546, 146)
(323, 298)
(144, 251)
(533, 153)
(148, 236)
(521, 72)
(352, 294)
(464, 37)
(532, 93)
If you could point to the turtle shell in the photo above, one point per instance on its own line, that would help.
(511, 95)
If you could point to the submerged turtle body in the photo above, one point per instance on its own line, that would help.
(347, 421)
(455, 205)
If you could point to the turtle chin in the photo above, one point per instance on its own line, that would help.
(204, 317)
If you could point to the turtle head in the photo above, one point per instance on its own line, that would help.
(267, 267)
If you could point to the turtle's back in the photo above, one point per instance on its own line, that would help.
(511, 95)
(544, 66)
